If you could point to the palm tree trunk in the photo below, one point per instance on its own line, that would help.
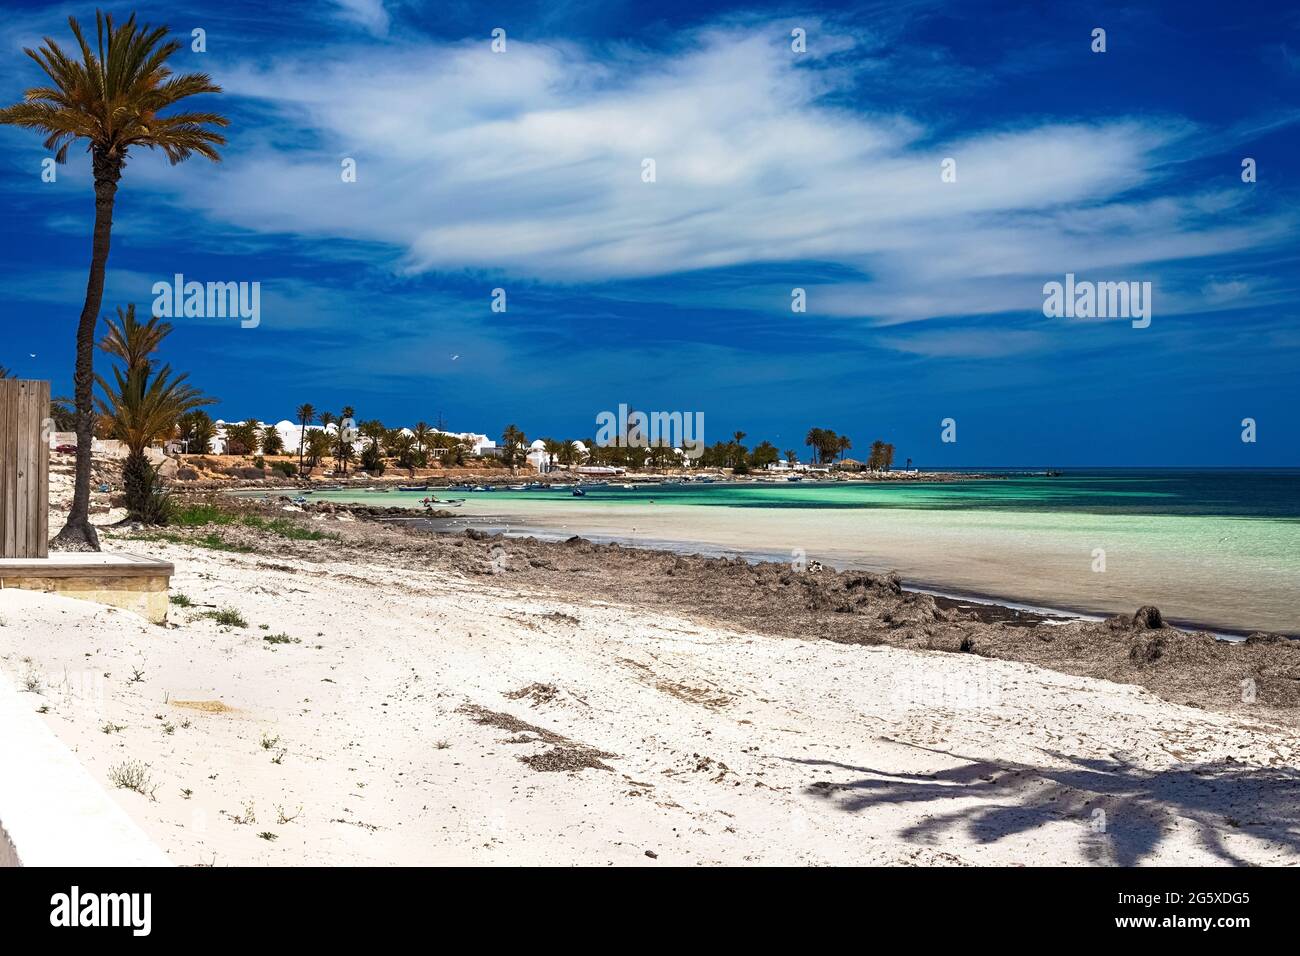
(78, 533)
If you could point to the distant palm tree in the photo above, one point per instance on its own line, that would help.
(242, 438)
(553, 450)
(272, 443)
(318, 446)
(512, 440)
(815, 439)
(197, 431)
(111, 99)
(5, 373)
(791, 456)
(843, 444)
(422, 433)
(306, 415)
(343, 443)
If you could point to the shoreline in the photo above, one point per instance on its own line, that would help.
(1032, 542)
(1009, 606)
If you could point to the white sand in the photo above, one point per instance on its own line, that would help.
(728, 747)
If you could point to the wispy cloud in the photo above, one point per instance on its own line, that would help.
(528, 165)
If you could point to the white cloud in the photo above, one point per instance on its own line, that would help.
(528, 164)
(368, 13)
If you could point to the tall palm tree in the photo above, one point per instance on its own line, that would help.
(814, 440)
(306, 415)
(111, 98)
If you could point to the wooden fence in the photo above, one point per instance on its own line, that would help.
(24, 468)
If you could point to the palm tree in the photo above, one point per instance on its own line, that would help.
(843, 444)
(318, 446)
(347, 422)
(130, 341)
(111, 99)
(272, 443)
(512, 440)
(815, 438)
(791, 456)
(141, 409)
(422, 433)
(553, 449)
(306, 415)
(241, 438)
(197, 431)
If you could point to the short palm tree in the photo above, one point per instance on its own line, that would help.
(272, 443)
(243, 438)
(318, 446)
(140, 408)
(111, 97)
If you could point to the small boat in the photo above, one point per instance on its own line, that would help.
(517, 487)
(628, 487)
(561, 487)
(794, 478)
(579, 493)
(412, 487)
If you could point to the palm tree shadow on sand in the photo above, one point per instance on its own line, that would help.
(1140, 806)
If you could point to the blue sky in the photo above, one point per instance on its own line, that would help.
(774, 170)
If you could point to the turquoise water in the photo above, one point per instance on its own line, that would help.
(1215, 548)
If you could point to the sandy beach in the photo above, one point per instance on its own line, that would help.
(380, 706)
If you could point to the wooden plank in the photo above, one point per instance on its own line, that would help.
(22, 501)
(8, 466)
(24, 469)
(43, 473)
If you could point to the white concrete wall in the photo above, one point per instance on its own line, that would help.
(52, 812)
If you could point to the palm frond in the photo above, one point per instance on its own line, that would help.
(113, 95)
